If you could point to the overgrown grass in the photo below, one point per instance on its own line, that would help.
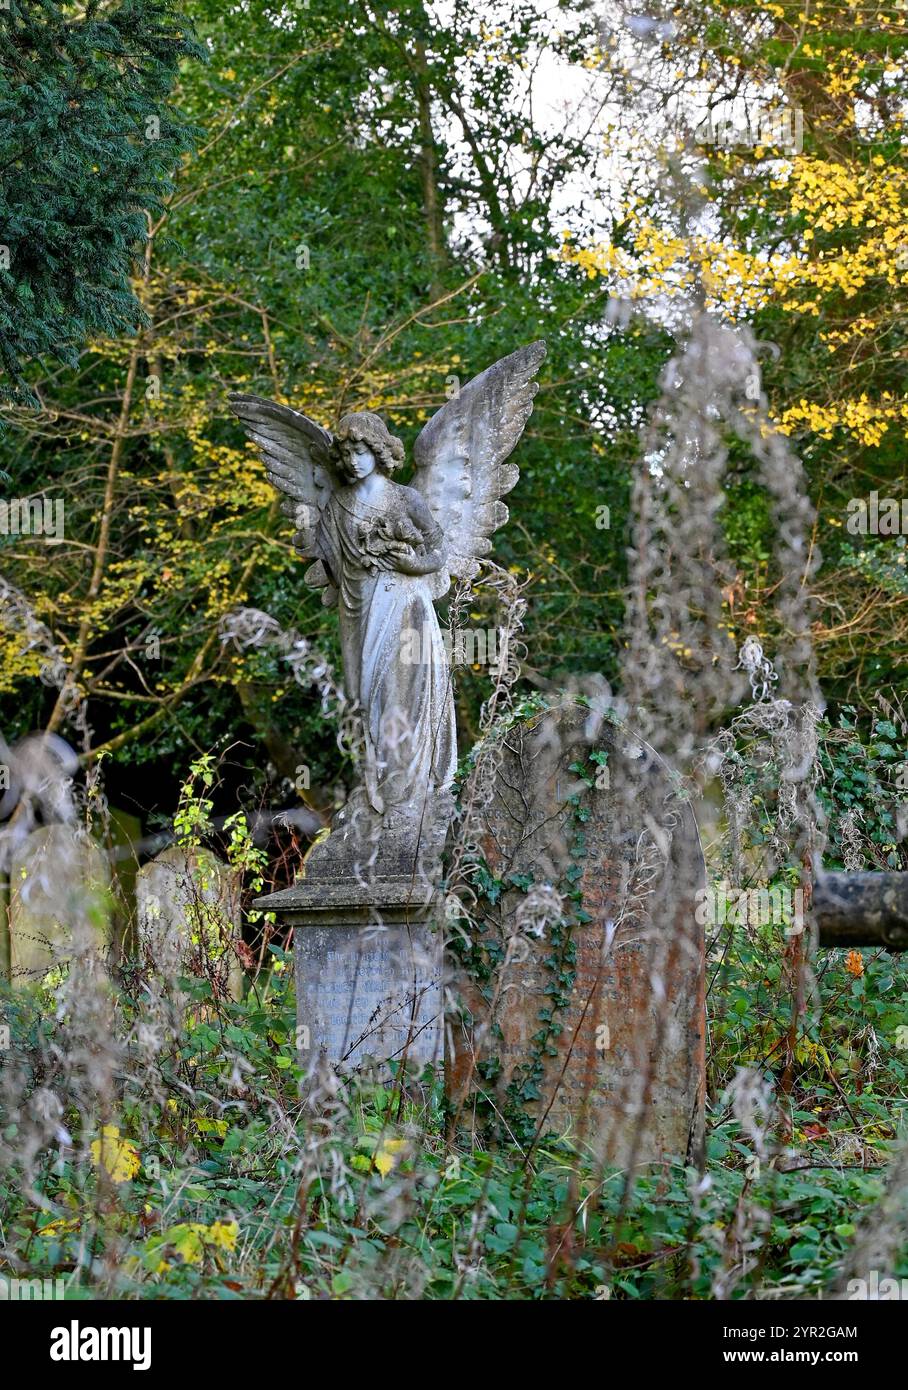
(213, 1179)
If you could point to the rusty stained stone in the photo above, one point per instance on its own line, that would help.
(627, 1076)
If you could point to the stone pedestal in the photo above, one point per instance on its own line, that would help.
(367, 937)
(368, 952)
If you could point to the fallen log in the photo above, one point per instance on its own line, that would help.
(862, 909)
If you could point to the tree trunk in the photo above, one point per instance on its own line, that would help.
(428, 165)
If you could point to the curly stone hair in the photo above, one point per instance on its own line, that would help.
(362, 426)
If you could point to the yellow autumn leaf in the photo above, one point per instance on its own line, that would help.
(389, 1154)
(223, 1235)
(61, 1227)
(207, 1126)
(118, 1157)
(188, 1240)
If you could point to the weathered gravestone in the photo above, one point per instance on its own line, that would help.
(593, 1017)
(368, 950)
(4, 927)
(59, 880)
(188, 917)
(124, 831)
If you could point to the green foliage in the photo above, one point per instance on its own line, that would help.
(295, 256)
(296, 253)
(864, 791)
(212, 1205)
(88, 146)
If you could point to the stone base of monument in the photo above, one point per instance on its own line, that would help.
(368, 952)
(367, 938)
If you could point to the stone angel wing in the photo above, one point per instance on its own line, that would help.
(297, 454)
(460, 457)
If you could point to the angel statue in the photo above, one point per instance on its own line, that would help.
(383, 552)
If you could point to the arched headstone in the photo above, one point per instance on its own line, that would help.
(57, 878)
(188, 916)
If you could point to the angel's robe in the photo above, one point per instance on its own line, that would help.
(403, 685)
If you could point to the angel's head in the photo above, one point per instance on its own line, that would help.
(364, 442)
